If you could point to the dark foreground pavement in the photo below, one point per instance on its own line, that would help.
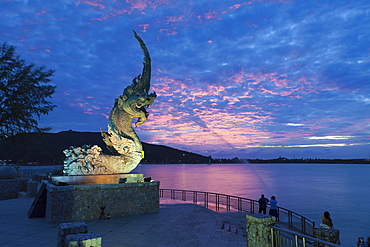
(175, 225)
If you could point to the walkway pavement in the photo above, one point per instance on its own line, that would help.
(175, 225)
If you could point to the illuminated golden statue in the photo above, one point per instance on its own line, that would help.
(121, 138)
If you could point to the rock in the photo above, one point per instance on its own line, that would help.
(8, 172)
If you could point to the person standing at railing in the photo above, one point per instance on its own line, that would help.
(262, 202)
(273, 208)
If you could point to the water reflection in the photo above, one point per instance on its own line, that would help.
(309, 189)
(231, 179)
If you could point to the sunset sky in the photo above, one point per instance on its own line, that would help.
(252, 79)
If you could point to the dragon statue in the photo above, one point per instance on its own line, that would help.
(121, 139)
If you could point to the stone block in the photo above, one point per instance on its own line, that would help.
(258, 230)
(329, 235)
(71, 228)
(83, 240)
(11, 187)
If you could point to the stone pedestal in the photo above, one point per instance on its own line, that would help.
(329, 235)
(68, 203)
(258, 230)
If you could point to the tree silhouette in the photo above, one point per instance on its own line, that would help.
(24, 90)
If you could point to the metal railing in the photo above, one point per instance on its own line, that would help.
(284, 237)
(227, 203)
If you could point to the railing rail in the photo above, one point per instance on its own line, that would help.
(284, 237)
(227, 203)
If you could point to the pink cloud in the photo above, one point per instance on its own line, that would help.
(284, 85)
(144, 26)
(105, 115)
(235, 6)
(94, 3)
(175, 18)
(172, 33)
(264, 90)
(42, 12)
(215, 89)
(81, 104)
(221, 130)
(134, 5)
(212, 15)
(138, 4)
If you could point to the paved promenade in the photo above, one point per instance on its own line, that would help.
(175, 225)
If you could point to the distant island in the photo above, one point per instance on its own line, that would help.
(47, 149)
(309, 161)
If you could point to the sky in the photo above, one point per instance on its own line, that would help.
(248, 79)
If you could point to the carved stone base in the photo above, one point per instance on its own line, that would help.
(87, 160)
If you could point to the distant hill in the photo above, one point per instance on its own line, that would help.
(308, 161)
(47, 148)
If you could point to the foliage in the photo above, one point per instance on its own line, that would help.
(24, 90)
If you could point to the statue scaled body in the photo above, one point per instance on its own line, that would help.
(121, 138)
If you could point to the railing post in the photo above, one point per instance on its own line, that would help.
(228, 203)
(206, 199)
(290, 218)
(296, 240)
(172, 194)
(195, 199)
(303, 222)
(240, 205)
(272, 237)
(183, 195)
(217, 202)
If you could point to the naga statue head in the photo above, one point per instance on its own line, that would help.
(135, 96)
(131, 104)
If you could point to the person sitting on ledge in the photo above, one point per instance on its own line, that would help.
(326, 223)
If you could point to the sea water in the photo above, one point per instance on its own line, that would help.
(307, 189)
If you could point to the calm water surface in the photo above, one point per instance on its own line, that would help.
(308, 189)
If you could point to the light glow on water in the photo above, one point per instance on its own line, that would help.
(307, 189)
